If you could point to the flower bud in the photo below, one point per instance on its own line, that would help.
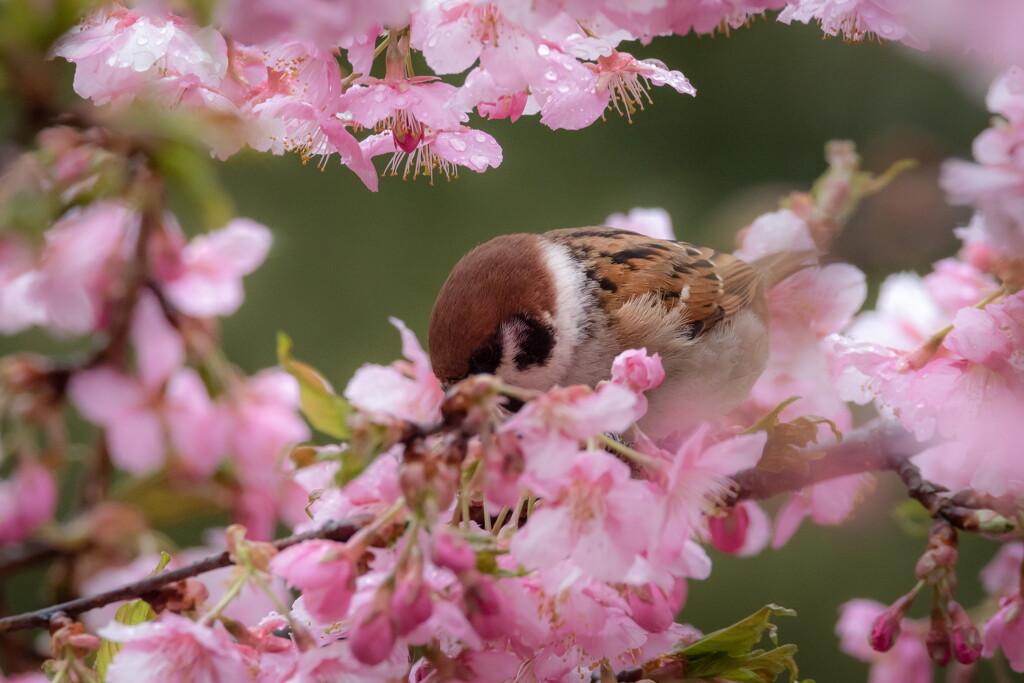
(729, 531)
(885, 631)
(372, 636)
(486, 608)
(937, 640)
(453, 552)
(411, 604)
(966, 639)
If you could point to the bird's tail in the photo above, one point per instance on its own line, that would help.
(774, 268)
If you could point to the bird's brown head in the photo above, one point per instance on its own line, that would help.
(500, 290)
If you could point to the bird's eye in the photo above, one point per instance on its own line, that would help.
(487, 358)
(533, 342)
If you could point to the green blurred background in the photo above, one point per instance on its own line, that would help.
(769, 97)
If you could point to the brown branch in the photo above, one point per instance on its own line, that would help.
(875, 447)
(340, 530)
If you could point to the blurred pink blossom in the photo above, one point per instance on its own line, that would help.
(744, 530)
(28, 500)
(324, 571)
(174, 649)
(206, 278)
(120, 52)
(1005, 631)
(855, 20)
(829, 502)
(78, 266)
(995, 184)
(323, 22)
(906, 662)
(653, 222)
(403, 390)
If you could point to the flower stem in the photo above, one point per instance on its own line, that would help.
(624, 450)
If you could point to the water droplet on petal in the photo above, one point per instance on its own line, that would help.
(142, 40)
(480, 137)
(378, 96)
(457, 144)
(142, 60)
(562, 88)
(432, 42)
(550, 75)
(478, 162)
(543, 50)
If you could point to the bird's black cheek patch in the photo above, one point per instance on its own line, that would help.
(487, 358)
(535, 340)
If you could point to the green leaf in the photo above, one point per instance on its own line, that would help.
(741, 636)
(324, 409)
(728, 654)
(130, 613)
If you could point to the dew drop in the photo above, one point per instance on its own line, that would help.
(142, 60)
(378, 96)
(562, 88)
(141, 40)
(457, 144)
(478, 161)
(543, 50)
(550, 75)
(480, 137)
(432, 42)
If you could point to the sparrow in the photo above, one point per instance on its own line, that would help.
(540, 310)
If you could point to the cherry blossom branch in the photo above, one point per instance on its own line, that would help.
(339, 530)
(875, 447)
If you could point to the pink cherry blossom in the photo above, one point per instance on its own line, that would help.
(79, 264)
(905, 315)
(651, 222)
(264, 421)
(442, 151)
(773, 232)
(128, 407)
(857, 19)
(599, 520)
(623, 81)
(174, 649)
(325, 23)
(906, 662)
(994, 184)
(403, 390)
(17, 310)
(743, 530)
(119, 52)
(1005, 631)
(325, 573)
(28, 500)
(827, 503)
(1001, 576)
(372, 492)
(206, 278)
(404, 106)
(684, 484)
(551, 427)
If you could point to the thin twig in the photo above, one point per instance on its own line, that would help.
(340, 530)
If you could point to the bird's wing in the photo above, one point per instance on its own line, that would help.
(688, 289)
